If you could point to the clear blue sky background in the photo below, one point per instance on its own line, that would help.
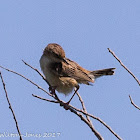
(85, 29)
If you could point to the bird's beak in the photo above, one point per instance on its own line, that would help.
(65, 60)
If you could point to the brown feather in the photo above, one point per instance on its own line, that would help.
(73, 70)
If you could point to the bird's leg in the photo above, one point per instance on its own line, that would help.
(77, 88)
(52, 91)
(66, 104)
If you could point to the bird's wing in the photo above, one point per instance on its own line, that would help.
(73, 70)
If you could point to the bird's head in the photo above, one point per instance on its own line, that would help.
(54, 52)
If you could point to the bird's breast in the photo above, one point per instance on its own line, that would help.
(63, 84)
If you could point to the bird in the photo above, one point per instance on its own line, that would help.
(65, 75)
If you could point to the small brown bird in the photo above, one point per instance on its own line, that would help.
(64, 74)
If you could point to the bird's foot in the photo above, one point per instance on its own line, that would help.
(52, 91)
(66, 105)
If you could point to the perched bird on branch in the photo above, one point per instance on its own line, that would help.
(64, 74)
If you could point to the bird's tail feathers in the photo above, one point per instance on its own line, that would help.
(98, 73)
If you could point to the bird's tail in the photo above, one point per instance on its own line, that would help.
(98, 73)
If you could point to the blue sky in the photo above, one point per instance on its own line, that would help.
(85, 29)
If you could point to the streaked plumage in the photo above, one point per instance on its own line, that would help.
(65, 74)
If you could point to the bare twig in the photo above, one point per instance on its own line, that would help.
(69, 107)
(98, 119)
(85, 113)
(27, 80)
(89, 115)
(88, 123)
(124, 66)
(10, 107)
(84, 109)
(52, 101)
(83, 106)
(36, 71)
(133, 103)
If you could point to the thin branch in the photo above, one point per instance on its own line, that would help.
(10, 107)
(69, 107)
(27, 80)
(124, 66)
(98, 119)
(52, 101)
(133, 103)
(36, 71)
(55, 96)
(89, 115)
(88, 123)
(83, 106)
(62, 103)
(84, 109)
